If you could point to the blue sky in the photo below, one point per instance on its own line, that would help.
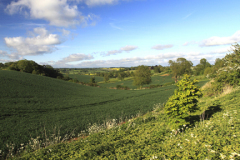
(117, 33)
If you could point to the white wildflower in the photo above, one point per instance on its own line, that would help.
(187, 140)
(212, 151)
(222, 156)
(208, 145)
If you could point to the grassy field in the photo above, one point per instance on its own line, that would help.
(30, 103)
(156, 80)
(214, 134)
(85, 78)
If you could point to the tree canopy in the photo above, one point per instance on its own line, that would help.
(180, 67)
(183, 102)
(142, 76)
(199, 69)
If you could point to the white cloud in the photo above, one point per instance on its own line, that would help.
(113, 52)
(57, 12)
(76, 57)
(42, 42)
(190, 42)
(100, 2)
(214, 41)
(128, 48)
(161, 47)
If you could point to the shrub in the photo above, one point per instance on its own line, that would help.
(122, 87)
(183, 102)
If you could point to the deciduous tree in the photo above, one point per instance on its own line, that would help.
(183, 102)
(142, 76)
(180, 67)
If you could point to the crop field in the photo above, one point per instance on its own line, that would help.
(129, 82)
(30, 103)
(85, 78)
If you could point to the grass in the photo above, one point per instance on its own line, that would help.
(85, 78)
(156, 80)
(214, 134)
(31, 104)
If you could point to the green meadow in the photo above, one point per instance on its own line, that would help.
(32, 105)
(85, 78)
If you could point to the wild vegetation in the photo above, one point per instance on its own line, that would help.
(187, 127)
(214, 134)
(32, 104)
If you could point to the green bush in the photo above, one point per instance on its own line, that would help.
(183, 102)
(122, 87)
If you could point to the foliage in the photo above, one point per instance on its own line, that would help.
(180, 67)
(106, 77)
(142, 76)
(1, 65)
(199, 69)
(155, 80)
(157, 69)
(183, 102)
(34, 68)
(122, 87)
(92, 79)
(31, 102)
(229, 74)
(85, 78)
(121, 75)
(214, 136)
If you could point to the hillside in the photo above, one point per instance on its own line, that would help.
(215, 134)
(32, 104)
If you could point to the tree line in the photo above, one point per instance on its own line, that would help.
(32, 67)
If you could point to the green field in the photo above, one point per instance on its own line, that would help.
(156, 80)
(214, 134)
(85, 78)
(30, 103)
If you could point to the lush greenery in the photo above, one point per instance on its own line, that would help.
(34, 68)
(184, 101)
(30, 103)
(187, 127)
(180, 67)
(156, 80)
(228, 74)
(142, 76)
(214, 134)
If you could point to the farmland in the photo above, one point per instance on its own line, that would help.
(32, 103)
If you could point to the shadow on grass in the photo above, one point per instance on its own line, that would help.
(207, 114)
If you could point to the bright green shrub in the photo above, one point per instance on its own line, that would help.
(183, 102)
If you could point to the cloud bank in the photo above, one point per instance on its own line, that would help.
(100, 2)
(127, 48)
(162, 47)
(57, 12)
(215, 41)
(76, 57)
(42, 42)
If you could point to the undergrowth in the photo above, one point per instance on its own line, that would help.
(214, 133)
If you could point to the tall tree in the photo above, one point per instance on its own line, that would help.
(142, 76)
(199, 69)
(106, 77)
(180, 67)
